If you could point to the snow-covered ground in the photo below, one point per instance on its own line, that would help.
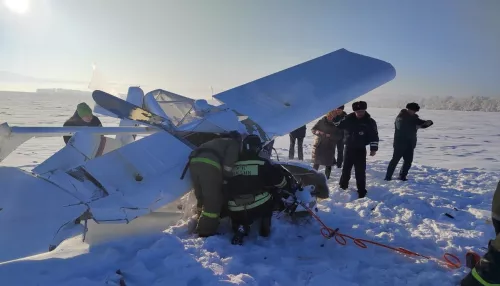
(455, 172)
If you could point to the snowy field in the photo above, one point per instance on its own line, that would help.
(455, 171)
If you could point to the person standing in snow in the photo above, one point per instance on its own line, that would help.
(82, 117)
(210, 165)
(361, 130)
(340, 144)
(250, 190)
(405, 139)
(487, 270)
(297, 135)
(327, 136)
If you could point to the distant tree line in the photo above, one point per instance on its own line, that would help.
(473, 103)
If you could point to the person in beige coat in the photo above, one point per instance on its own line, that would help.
(327, 137)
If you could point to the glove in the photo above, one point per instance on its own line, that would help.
(427, 123)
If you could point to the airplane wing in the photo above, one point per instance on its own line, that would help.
(119, 186)
(281, 102)
(32, 211)
(134, 179)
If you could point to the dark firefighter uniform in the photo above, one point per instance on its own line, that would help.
(406, 126)
(210, 164)
(487, 270)
(250, 190)
(361, 130)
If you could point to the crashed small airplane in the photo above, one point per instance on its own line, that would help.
(135, 176)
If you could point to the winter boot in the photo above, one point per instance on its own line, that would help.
(486, 270)
(328, 171)
(362, 194)
(241, 232)
(403, 178)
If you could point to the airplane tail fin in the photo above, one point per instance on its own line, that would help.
(135, 96)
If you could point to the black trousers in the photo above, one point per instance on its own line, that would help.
(404, 151)
(300, 148)
(496, 225)
(354, 157)
(245, 218)
(340, 153)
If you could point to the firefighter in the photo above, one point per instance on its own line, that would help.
(209, 165)
(486, 270)
(251, 189)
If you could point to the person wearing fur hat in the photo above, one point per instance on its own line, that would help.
(405, 139)
(361, 130)
(82, 117)
(327, 137)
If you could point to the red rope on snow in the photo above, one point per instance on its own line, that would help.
(329, 233)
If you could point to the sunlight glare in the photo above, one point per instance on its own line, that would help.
(17, 6)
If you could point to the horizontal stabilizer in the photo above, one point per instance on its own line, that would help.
(13, 137)
(71, 130)
(286, 100)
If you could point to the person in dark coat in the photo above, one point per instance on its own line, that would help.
(405, 139)
(327, 136)
(340, 144)
(82, 117)
(486, 269)
(297, 135)
(361, 131)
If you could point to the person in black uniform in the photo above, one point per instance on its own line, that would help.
(406, 126)
(251, 188)
(361, 130)
(486, 270)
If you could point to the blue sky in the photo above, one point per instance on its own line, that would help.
(438, 47)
